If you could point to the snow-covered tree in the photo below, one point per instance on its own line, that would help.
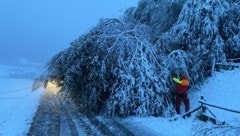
(196, 32)
(230, 31)
(159, 14)
(123, 66)
(115, 70)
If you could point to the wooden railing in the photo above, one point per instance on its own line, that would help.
(203, 108)
(229, 65)
(218, 107)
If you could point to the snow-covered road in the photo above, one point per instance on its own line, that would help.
(58, 115)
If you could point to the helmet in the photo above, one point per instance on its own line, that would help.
(184, 76)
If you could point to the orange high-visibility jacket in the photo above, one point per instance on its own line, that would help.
(181, 85)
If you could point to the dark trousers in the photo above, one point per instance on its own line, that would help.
(179, 99)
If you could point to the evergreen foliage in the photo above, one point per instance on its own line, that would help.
(230, 31)
(123, 66)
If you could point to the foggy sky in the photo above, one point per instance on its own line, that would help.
(38, 29)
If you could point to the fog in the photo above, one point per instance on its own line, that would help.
(38, 29)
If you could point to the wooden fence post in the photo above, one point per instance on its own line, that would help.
(213, 66)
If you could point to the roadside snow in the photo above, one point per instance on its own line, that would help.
(156, 126)
(17, 103)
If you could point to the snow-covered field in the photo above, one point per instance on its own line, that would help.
(18, 104)
(17, 101)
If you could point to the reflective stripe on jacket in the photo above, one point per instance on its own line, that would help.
(181, 85)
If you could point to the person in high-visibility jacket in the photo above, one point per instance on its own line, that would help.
(181, 92)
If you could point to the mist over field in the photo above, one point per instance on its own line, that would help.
(37, 30)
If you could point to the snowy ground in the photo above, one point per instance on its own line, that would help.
(17, 101)
(222, 90)
(18, 104)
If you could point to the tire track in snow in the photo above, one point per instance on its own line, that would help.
(57, 115)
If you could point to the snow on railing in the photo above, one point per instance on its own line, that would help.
(222, 108)
(228, 65)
